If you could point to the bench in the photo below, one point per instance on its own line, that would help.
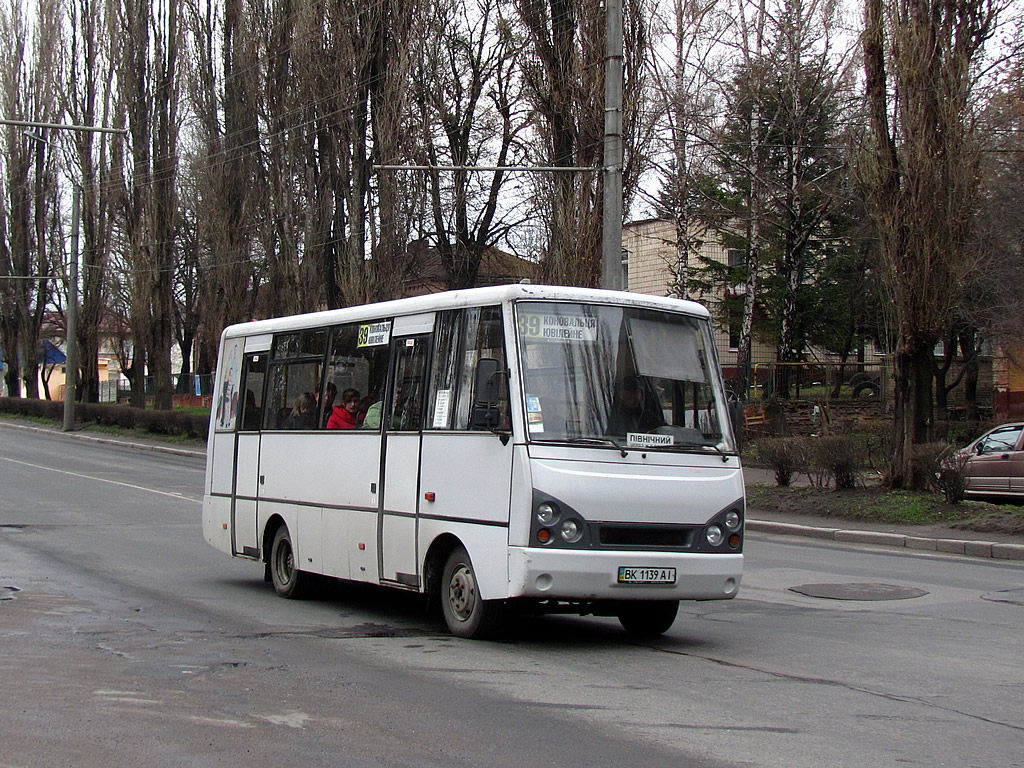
(754, 420)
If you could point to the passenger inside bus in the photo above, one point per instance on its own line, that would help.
(346, 415)
(304, 414)
(372, 418)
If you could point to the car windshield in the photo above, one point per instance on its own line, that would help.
(627, 377)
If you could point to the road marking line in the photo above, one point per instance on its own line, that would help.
(102, 480)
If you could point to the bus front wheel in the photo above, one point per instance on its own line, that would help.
(647, 618)
(288, 580)
(465, 612)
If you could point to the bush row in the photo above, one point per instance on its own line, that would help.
(837, 459)
(840, 460)
(157, 422)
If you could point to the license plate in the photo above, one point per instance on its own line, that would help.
(631, 575)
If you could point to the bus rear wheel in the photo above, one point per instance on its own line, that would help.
(648, 618)
(288, 580)
(465, 612)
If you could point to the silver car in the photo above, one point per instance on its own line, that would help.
(995, 464)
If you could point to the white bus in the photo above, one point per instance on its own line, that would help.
(518, 448)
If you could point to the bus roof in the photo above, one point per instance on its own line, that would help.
(470, 297)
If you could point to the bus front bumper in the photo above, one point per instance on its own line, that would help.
(563, 574)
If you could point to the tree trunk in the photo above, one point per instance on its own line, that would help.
(913, 415)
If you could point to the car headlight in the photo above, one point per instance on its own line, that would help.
(714, 535)
(732, 520)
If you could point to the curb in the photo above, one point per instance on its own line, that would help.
(991, 549)
(153, 447)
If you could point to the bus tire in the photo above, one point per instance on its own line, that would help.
(648, 618)
(288, 580)
(465, 612)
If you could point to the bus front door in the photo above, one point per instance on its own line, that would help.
(397, 526)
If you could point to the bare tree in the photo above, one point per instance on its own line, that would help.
(565, 81)
(920, 173)
(223, 90)
(688, 88)
(29, 215)
(87, 97)
(467, 92)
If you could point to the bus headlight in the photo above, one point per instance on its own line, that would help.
(732, 520)
(572, 530)
(547, 513)
(714, 535)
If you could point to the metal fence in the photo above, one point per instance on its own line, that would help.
(824, 381)
(190, 384)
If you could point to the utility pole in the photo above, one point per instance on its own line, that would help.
(71, 342)
(611, 218)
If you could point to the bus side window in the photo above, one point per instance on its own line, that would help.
(254, 374)
(484, 337)
(295, 376)
(444, 380)
(410, 378)
(358, 359)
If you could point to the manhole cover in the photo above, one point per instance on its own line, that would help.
(859, 591)
(1011, 596)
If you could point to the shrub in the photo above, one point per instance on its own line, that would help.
(784, 455)
(949, 474)
(838, 458)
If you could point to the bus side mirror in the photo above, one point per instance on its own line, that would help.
(485, 403)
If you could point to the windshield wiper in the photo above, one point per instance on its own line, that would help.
(598, 441)
(723, 454)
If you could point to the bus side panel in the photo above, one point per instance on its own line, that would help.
(217, 522)
(487, 546)
(324, 484)
(521, 507)
(333, 468)
(470, 475)
(222, 462)
(350, 544)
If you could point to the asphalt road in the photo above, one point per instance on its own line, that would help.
(126, 640)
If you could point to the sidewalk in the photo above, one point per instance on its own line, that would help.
(921, 538)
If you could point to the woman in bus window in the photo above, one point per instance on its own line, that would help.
(346, 415)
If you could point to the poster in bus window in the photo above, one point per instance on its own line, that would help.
(227, 387)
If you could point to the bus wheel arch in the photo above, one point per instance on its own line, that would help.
(434, 562)
(465, 612)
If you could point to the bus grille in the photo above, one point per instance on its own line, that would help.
(652, 536)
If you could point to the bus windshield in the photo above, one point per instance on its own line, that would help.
(627, 377)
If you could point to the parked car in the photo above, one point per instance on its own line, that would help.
(995, 462)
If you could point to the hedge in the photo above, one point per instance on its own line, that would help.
(157, 422)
